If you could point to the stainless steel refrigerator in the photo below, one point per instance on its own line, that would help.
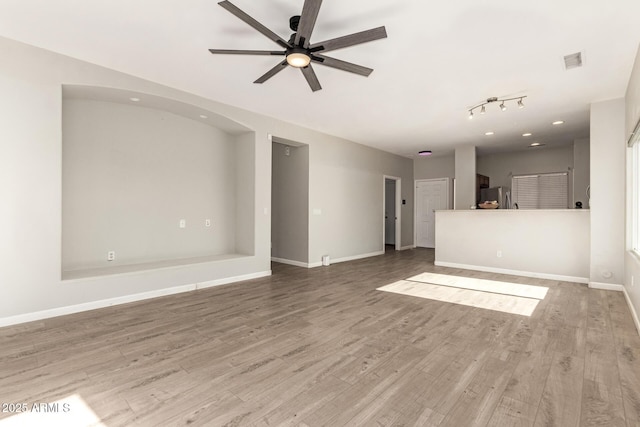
(500, 194)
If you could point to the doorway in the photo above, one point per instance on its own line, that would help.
(391, 230)
(289, 202)
(431, 195)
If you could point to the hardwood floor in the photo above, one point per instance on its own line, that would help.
(323, 347)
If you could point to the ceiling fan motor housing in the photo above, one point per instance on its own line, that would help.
(293, 22)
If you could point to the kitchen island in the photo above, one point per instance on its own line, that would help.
(544, 243)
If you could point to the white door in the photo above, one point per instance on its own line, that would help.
(431, 195)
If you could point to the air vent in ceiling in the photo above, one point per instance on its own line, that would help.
(573, 61)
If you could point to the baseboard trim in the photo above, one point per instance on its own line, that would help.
(347, 258)
(606, 286)
(93, 305)
(234, 279)
(290, 262)
(404, 248)
(533, 274)
(634, 314)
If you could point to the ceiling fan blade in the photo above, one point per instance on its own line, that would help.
(248, 52)
(272, 72)
(341, 65)
(307, 22)
(350, 40)
(311, 77)
(253, 23)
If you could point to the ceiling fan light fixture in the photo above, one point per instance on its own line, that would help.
(298, 58)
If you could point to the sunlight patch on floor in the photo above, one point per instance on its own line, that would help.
(70, 411)
(485, 299)
(494, 286)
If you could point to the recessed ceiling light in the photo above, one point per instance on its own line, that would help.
(527, 134)
(488, 133)
(558, 122)
(424, 153)
(202, 116)
(134, 99)
(536, 144)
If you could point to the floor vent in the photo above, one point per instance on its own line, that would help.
(573, 61)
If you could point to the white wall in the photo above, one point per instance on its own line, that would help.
(607, 191)
(290, 203)
(245, 194)
(344, 182)
(537, 243)
(631, 259)
(131, 173)
(501, 167)
(465, 191)
(581, 171)
(347, 199)
(434, 167)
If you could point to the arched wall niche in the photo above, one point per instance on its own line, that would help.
(150, 182)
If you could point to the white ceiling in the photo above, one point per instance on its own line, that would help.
(439, 59)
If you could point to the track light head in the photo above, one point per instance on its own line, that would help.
(470, 114)
(503, 107)
(482, 110)
(520, 104)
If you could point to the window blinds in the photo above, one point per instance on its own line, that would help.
(542, 191)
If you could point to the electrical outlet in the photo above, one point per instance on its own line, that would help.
(111, 255)
(499, 254)
(182, 223)
(207, 223)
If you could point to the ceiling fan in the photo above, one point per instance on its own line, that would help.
(298, 51)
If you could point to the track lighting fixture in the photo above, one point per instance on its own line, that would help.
(493, 99)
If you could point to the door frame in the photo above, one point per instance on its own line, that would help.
(415, 202)
(398, 206)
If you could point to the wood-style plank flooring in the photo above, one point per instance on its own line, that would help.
(322, 347)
